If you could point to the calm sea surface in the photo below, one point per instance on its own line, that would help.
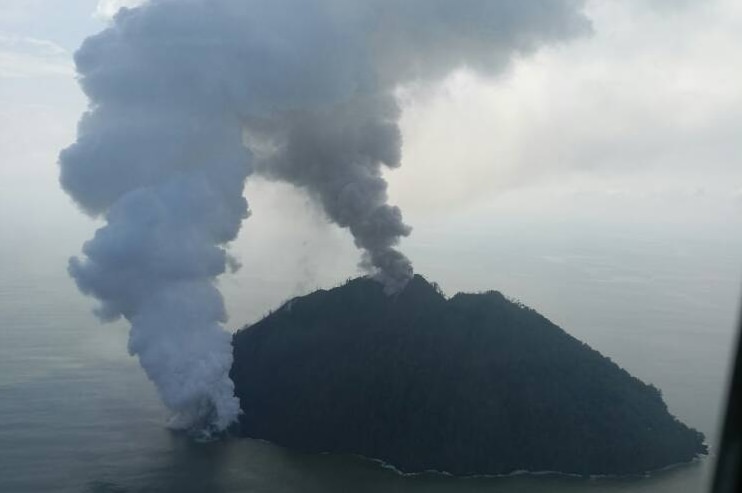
(78, 415)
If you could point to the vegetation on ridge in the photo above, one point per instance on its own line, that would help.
(474, 384)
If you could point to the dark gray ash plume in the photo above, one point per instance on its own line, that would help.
(335, 153)
(188, 97)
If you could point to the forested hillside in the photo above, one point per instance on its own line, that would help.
(469, 385)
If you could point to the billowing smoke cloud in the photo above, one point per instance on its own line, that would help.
(188, 97)
(336, 153)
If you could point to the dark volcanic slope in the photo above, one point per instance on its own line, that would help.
(471, 385)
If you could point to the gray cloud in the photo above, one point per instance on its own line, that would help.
(178, 87)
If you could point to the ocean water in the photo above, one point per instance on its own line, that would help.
(78, 415)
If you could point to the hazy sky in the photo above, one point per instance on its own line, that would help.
(633, 131)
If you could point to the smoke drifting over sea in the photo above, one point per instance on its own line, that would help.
(190, 97)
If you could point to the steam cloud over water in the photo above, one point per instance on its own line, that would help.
(189, 97)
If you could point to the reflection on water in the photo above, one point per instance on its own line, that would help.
(76, 431)
(70, 432)
(249, 465)
(187, 467)
(77, 415)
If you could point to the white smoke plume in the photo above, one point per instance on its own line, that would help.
(188, 97)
